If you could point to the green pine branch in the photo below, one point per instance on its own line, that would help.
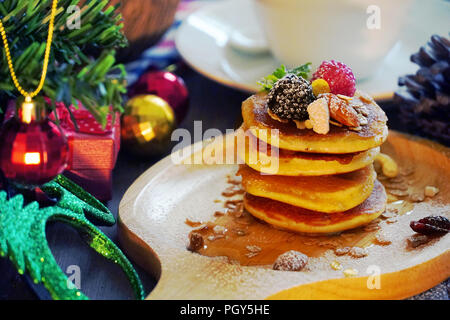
(82, 63)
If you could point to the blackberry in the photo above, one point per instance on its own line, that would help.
(289, 98)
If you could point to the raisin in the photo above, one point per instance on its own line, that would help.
(195, 241)
(431, 225)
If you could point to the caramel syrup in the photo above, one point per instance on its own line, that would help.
(242, 233)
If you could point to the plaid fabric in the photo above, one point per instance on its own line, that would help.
(164, 53)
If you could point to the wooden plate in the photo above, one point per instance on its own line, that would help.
(153, 231)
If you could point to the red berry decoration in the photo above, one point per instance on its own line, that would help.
(339, 76)
(33, 153)
(167, 86)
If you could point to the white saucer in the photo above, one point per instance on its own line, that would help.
(203, 40)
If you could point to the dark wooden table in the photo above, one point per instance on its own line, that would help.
(217, 107)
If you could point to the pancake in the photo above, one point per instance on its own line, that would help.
(338, 140)
(328, 194)
(296, 219)
(272, 160)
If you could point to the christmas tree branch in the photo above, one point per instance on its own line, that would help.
(82, 63)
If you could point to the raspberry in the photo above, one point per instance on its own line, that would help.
(339, 76)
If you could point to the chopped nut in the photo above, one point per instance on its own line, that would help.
(253, 249)
(334, 123)
(397, 179)
(357, 252)
(341, 111)
(398, 193)
(431, 191)
(219, 229)
(219, 214)
(215, 237)
(350, 272)
(382, 239)
(371, 227)
(388, 165)
(361, 109)
(388, 214)
(417, 240)
(397, 186)
(391, 220)
(342, 251)
(290, 261)
(231, 180)
(336, 265)
(251, 254)
(407, 171)
(358, 128)
(232, 191)
(357, 104)
(417, 197)
(328, 244)
(191, 223)
(201, 227)
(365, 97)
(362, 119)
(195, 241)
(346, 98)
(235, 207)
(240, 232)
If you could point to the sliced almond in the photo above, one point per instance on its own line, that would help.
(334, 123)
(364, 97)
(341, 111)
(431, 191)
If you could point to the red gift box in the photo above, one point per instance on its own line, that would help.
(93, 150)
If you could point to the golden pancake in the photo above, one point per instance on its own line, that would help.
(293, 218)
(338, 140)
(329, 194)
(271, 160)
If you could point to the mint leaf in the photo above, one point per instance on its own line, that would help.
(267, 82)
(302, 71)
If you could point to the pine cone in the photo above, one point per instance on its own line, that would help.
(424, 98)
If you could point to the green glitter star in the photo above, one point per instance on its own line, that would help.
(23, 238)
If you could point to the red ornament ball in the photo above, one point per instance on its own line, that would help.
(32, 154)
(167, 86)
(339, 76)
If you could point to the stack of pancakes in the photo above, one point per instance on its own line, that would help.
(322, 183)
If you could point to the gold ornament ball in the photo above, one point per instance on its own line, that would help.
(147, 125)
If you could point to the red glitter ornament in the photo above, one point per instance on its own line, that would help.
(167, 86)
(33, 150)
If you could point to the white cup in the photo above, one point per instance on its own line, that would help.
(357, 32)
